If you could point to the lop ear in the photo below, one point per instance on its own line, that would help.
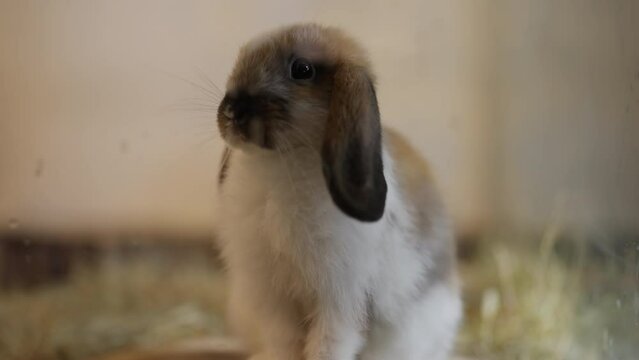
(352, 150)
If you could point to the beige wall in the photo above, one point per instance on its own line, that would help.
(568, 112)
(512, 104)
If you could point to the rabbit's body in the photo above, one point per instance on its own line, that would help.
(315, 281)
(390, 284)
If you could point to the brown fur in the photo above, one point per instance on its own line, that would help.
(352, 145)
(316, 43)
(419, 191)
(261, 69)
(335, 112)
(411, 168)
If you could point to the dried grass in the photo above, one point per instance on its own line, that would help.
(527, 302)
(134, 303)
(522, 302)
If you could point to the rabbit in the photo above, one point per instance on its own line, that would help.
(335, 240)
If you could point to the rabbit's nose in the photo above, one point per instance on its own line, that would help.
(240, 108)
(227, 110)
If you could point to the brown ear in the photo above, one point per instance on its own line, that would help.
(352, 150)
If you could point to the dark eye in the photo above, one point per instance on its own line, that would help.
(302, 69)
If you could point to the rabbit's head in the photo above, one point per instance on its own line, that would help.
(309, 86)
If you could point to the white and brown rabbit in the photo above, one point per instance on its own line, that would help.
(335, 239)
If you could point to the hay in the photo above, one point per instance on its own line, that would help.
(527, 302)
(135, 303)
(522, 302)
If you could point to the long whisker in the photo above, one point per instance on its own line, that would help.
(208, 80)
(196, 109)
(199, 100)
(206, 141)
(206, 105)
(204, 89)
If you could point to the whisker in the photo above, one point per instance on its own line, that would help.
(208, 80)
(204, 89)
(196, 109)
(207, 132)
(187, 107)
(199, 100)
(206, 141)
(193, 104)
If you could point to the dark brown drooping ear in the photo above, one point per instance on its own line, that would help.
(352, 150)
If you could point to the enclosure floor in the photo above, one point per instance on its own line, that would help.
(202, 349)
(198, 349)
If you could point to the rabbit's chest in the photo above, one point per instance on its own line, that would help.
(276, 209)
(287, 235)
(285, 223)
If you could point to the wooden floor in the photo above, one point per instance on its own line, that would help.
(201, 349)
(178, 356)
(204, 349)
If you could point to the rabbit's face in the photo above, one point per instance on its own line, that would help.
(310, 86)
(278, 94)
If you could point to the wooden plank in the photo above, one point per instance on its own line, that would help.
(197, 349)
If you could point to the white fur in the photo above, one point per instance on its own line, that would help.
(304, 275)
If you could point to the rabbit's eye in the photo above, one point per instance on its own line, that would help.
(302, 69)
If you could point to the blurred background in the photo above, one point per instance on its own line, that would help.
(528, 112)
